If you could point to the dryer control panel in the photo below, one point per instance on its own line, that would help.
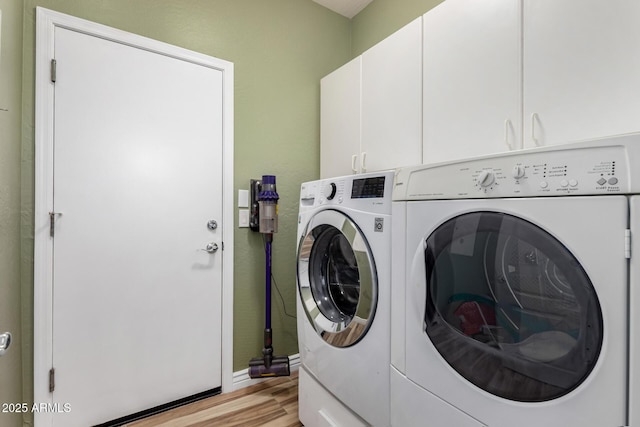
(595, 167)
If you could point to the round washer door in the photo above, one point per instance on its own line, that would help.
(510, 308)
(337, 278)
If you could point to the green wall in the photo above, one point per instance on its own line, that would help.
(10, 131)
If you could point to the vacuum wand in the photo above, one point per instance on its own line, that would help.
(268, 365)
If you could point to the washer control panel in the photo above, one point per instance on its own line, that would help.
(369, 192)
(528, 173)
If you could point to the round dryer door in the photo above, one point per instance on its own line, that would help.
(337, 278)
(510, 308)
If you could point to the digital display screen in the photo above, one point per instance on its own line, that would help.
(367, 188)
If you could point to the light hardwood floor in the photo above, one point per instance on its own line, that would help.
(271, 403)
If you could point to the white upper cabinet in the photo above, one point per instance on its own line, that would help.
(476, 77)
(581, 69)
(371, 108)
(472, 80)
(392, 101)
(340, 121)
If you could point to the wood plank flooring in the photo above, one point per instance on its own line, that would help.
(271, 403)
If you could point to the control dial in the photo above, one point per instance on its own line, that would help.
(518, 171)
(329, 191)
(486, 178)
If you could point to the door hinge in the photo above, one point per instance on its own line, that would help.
(627, 244)
(52, 380)
(52, 223)
(54, 64)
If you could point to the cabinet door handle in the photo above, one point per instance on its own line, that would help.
(354, 159)
(363, 162)
(534, 119)
(507, 126)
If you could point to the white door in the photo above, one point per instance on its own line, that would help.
(472, 79)
(392, 101)
(581, 70)
(137, 177)
(340, 121)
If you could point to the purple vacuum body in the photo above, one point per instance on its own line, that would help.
(268, 365)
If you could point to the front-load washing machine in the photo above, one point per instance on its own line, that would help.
(343, 277)
(517, 299)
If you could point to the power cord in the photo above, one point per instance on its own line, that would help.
(275, 283)
(284, 307)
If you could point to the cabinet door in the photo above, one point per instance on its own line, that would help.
(472, 79)
(392, 100)
(581, 69)
(340, 120)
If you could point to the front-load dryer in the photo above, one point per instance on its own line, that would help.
(516, 301)
(343, 278)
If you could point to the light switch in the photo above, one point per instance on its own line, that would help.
(243, 198)
(243, 218)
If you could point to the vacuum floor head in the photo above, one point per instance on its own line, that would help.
(279, 367)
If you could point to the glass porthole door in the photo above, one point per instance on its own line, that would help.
(336, 278)
(509, 307)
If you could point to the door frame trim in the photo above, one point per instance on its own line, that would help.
(46, 22)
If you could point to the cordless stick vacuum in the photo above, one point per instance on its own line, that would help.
(268, 365)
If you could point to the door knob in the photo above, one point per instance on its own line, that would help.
(5, 342)
(211, 247)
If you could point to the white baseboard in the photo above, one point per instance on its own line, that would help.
(241, 379)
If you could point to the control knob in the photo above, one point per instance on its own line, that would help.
(486, 178)
(518, 171)
(330, 191)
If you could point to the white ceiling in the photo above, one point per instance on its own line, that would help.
(348, 8)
